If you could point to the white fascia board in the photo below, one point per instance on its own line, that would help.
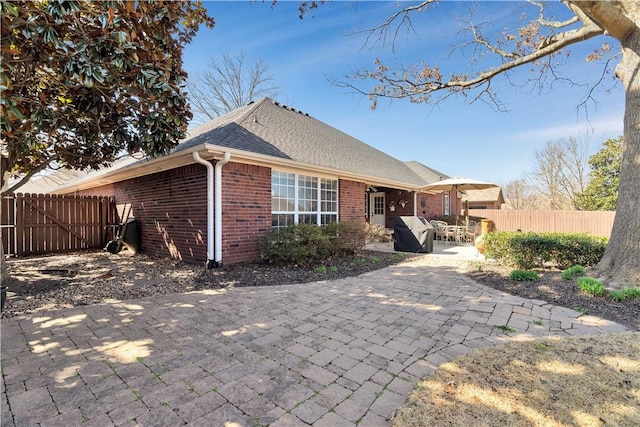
(185, 157)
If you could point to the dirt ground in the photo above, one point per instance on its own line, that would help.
(553, 289)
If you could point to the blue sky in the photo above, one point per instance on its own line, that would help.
(454, 137)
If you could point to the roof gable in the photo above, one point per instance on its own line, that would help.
(272, 129)
(270, 133)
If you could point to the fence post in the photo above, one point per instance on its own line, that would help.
(19, 224)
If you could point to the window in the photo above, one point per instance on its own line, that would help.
(302, 198)
(446, 206)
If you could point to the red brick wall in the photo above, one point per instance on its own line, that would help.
(170, 208)
(351, 200)
(246, 212)
(396, 196)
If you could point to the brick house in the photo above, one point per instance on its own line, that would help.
(264, 165)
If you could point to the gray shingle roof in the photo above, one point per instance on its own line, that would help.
(269, 128)
(428, 174)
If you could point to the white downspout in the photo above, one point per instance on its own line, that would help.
(219, 164)
(415, 203)
(214, 242)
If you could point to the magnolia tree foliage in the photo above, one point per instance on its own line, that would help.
(601, 193)
(83, 82)
(533, 42)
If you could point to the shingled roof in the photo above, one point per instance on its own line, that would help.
(269, 128)
(427, 174)
(268, 132)
(493, 194)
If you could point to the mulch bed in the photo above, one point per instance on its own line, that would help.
(565, 293)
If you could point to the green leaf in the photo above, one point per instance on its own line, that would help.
(10, 8)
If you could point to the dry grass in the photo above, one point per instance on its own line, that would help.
(586, 381)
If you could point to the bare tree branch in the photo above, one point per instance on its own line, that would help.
(418, 83)
(24, 179)
(553, 24)
(228, 84)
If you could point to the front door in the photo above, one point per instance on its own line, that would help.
(376, 209)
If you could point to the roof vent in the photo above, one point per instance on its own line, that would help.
(291, 108)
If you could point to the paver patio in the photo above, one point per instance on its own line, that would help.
(336, 353)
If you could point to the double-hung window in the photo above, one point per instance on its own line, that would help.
(299, 198)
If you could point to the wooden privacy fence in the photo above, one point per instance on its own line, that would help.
(37, 223)
(596, 223)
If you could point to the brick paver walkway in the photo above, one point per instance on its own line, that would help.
(336, 353)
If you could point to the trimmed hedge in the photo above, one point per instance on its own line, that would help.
(306, 244)
(529, 250)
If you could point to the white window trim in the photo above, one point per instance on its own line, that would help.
(297, 212)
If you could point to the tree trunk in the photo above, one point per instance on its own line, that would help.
(620, 265)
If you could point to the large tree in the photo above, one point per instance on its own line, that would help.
(601, 193)
(532, 43)
(559, 172)
(82, 82)
(520, 196)
(229, 82)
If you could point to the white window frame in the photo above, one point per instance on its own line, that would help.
(319, 190)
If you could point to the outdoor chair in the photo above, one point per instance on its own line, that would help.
(441, 230)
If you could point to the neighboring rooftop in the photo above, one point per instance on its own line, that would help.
(493, 194)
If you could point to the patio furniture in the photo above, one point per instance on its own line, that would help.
(451, 234)
(441, 229)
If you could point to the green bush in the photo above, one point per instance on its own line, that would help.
(524, 275)
(528, 250)
(625, 294)
(299, 244)
(306, 244)
(346, 237)
(591, 286)
(571, 272)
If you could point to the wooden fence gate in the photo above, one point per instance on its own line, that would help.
(37, 223)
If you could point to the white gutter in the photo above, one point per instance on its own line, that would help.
(214, 242)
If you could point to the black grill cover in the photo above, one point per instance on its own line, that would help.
(413, 234)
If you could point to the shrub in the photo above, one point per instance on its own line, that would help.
(625, 294)
(299, 244)
(346, 237)
(377, 233)
(528, 250)
(305, 244)
(571, 272)
(591, 286)
(524, 275)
